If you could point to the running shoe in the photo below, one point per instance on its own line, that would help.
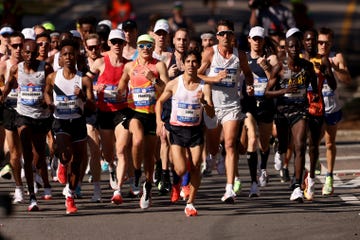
(277, 161)
(78, 194)
(285, 176)
(254, 190)
(5, 172)
(18, 196)
(157, 172)
(117, 199)
(164, 188)
(66, 191)
(185, 192)
(309, 191)
(220, 165)
(104, 166)
(264, 178)
(237, 186)
(297, 195)
(97, 193)
(33, 206)
(62, 173)
(145, 200)
(175, 193)
(113, 180)
(47, 194)
(190, 210)
(318, 167)
(328, 188)
(229, 197)
(70, 205)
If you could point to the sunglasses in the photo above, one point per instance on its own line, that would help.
(17, 45)
(147, 45)
(42, 44)
(223, 33)
(324, 42)
(117, 41)
(93, 47)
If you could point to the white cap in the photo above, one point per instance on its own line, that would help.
(257, 32)
(161, 24)
(7, 30)
(117, 34)
(105, 22)
(75, 33)
(29, 33)
(292, 31)
(207, 35)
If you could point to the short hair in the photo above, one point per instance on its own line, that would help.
(69, 42)
(87, 20)
(43, 34)
(92, 36)
(17, 34)
(326, 31)
(225, 22)
(192, 52)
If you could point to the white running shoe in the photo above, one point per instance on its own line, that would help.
(309, 191)
(113, 180)
(264, 178)
(278, 161)
(254, 190)
(145, 200)
(297, 195)
(229, 196)
(18, 195)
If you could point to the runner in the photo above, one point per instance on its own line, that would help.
(69, 95)
(190, 95)
(146, 78)
(223, 62)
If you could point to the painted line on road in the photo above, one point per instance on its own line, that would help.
(348, 198)
(347, 23)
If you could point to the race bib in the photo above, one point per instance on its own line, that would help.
(188, 113)
(30, 95)
(144, 96)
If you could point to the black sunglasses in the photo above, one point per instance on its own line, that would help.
(116, 41)
(43, 44)
(93, 47)
(227, 32)
(17, 45)
(324, 42)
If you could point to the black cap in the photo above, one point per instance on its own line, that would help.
(102, 29)
(129, 24)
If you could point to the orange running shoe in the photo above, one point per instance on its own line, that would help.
(62, 173)
(117, 199)
(190, 210)
(185, 192)
(70, 205)
(175, 193)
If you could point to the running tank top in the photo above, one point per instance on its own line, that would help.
(142, 93)
(107, 100)
(186, 109)
(316, 108)
(31, 92)
(11, 99)
(260, 78)
(67, 104)
(225, 93)
(331, 97)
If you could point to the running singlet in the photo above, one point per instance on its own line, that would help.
(186, 109)
(67, 104)
(225, 93)
(296, 101)
(316, 108)
(331, 97)
(142, 93)
(107, 100)
(11, 99)
(30, 96)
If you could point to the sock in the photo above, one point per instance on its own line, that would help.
(176, 178)
(185, 179)
(264, 158)
(137, 174)
(252, 163)
(328, 174)
(229, 187)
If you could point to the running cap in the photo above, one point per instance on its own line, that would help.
(29, 33)
(257, 32)
(105, 22)
(292, 31)
(6, 30)
(207, 35)
(162, 24)
(178, 5)
(128, 24)
(49, 26)
(116, 34)
(145, 38)
(75, 33)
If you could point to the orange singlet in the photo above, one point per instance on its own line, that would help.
(142, 93)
